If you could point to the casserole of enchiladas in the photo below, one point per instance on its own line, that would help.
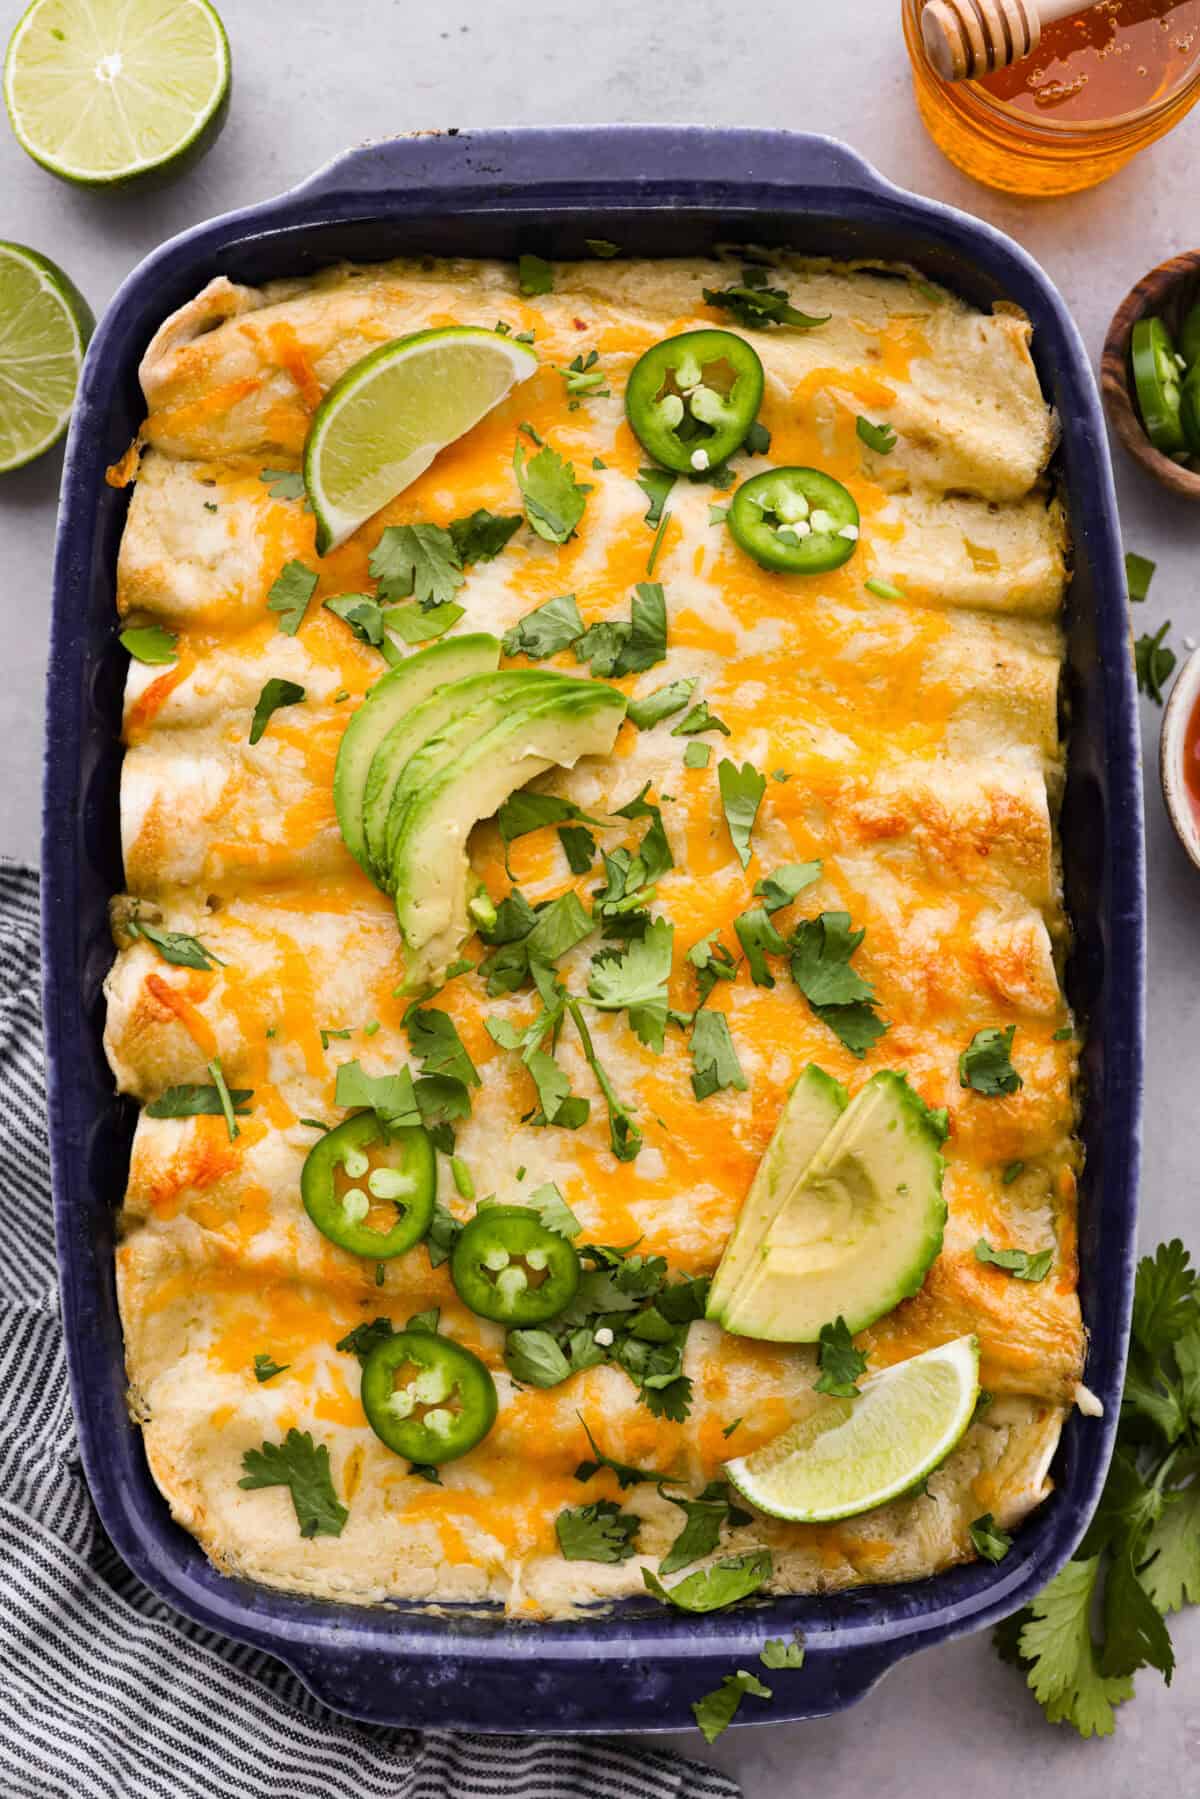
(821, 838)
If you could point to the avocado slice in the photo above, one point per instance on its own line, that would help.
(858, 1232)
(813, 1107)
(573, 719)
(389, 700)
(411, 733)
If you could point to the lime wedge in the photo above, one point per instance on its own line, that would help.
(383, 423)
(100, 94)
(852, 1454)
(44, 325)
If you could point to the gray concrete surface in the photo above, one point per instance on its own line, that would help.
(307, 83)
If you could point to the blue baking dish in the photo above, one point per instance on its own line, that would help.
(658, 192)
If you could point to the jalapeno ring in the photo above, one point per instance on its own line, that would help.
(1156, 381)
(508, 1266)
(691, 399)
(360, 1168)
(445, 1408)
(797, 520)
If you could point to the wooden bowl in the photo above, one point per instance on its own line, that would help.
(1167, 291)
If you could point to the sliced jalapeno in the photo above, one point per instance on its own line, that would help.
(426, 1397)
(509, 1267)
(691, 399)
(1157, 379)
(368, 1189)
(1189, 409)
(795, 519)
(1189, 338)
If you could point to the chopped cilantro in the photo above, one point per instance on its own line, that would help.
(547, 629)
(985, 1066)
(711, 1589)
(660, 704)
(600, 246)
(283, 484)
(717, 1710)
(266, 1369)
(712, 962)
(175, 947)
(741, 794)
(390, 1096)
(840, 1363)
(704, 1520)
(1017, 1262)
(367, 619)
(636, 982)
(715, 1064)
(366, 1337)
(783, 884)
(1139, 572)
(600, 1532)
(1012, 1172)
(554, 500)
(418, 624)
(775, 1653)
(700, 719)
(291, 590)
(656, 484)
(482, 535)
(759, 938)
(1153, 662)
(187, 1101)
(435, 1040)
(992, 1543)
(152, 644)
(880, 438)
(303, 1468)
(276, 693)
(417, 561)
(524, 811)
(579, 847)
(616, 647)
(627, 1476)
(625, 1139)
(753, 304)
(697, 754)
(821, 949)
(534, 276)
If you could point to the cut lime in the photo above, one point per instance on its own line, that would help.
(44, 325)
(102, 93)
(853, 1454)
(383, 423)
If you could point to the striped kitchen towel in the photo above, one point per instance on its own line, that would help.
(105, 1692)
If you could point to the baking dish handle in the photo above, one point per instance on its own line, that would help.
(630, 161)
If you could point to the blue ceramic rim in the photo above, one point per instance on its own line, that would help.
(653, 1664)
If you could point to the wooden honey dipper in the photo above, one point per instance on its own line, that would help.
(967, 39)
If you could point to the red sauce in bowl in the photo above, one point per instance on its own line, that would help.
(1191, 760)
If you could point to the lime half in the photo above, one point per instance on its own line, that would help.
(852, 1454)
(44, 325)
(383, 423)
(101, 93)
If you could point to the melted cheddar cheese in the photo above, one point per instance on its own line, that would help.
(916, 747)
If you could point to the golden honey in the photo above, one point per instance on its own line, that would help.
(1101, 86)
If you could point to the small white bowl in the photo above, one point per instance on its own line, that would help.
(1185, 696)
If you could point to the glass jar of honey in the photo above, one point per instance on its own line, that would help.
(1101, 85)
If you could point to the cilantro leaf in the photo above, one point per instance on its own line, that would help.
(547, 629)
(283, 484)
(534, 276)
(1153, 662)
(367, 619)
(600, 246)
(534, 1358)
(741, 794)
(600, 1532)
(1139, 572)
(275, 693)
(637, 983)
(660, 704)
(1170, 1572)
(992, 1543)
(615, 647)
(759, 938)
(840, 1363)
(304, 1469)
(482, 535)
(1134, 1633)
(152, 644)
(579, 847)
(175, 947)
(755, 305)
(656, 484)
(704, 1520)
(1020, 1263)
(710, 1589)
(700, 719)
(627, 1476)
(366, 1337)
(417, 624)
(715, 1064)
(524, 811)
(985, 1066)
(290, 592)
(625, 1139)
(1164, 1297)
(554, 500)
(697, 754)
(1056, 1643)
(716, 1711)
(775, 1653)
(389, 1096)
(880, 438)
(583, 376)
(443, 1235)
(420, 561)
(266, 1369)
(712, 962)
(781, 886)
(821, 950)
(554, 1211)
(556, 1102)
(434, 1037)
(188, 1101)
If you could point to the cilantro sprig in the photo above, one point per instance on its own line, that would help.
(303, 1467)
(753, 304)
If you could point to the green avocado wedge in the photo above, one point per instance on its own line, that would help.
(452, 718)
(813, 1107)
(859, 1230)
(430, 867)
(392, 699)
